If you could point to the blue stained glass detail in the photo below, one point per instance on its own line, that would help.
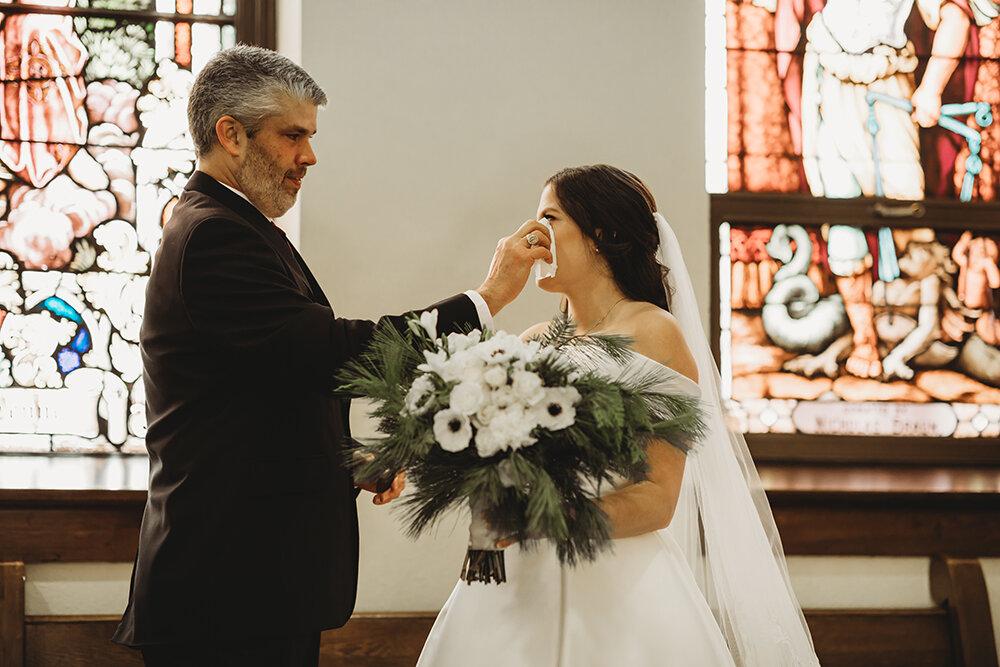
(68, 360)
(59, 307)
(81, 343)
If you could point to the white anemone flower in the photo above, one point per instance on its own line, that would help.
(556, 412)
(528, 387)
(452, 430)
(419, 390)
(467, 397)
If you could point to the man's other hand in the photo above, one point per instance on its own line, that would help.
(398, 484)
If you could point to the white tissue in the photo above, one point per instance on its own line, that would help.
(547, 269)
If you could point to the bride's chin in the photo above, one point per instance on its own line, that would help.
(548, 284)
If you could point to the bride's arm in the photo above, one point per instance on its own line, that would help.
(648, 505)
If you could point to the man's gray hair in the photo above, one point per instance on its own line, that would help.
(248, 83)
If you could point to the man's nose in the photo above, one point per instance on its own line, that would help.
(307, 157)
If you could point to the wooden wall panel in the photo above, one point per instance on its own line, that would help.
(843, 638)
(74, 641)
(882, 638)
(11, 614)
(40, 526)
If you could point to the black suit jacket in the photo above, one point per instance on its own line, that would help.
(250, 526)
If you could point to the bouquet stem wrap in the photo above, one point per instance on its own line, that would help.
(483, 561)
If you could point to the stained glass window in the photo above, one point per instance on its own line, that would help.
(843, 330)
(848, 98)
(94, 152)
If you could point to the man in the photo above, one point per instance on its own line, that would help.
(249, 541)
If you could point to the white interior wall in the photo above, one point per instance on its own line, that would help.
(444, 121)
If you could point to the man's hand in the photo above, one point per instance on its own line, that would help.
(398, 484)
(511, 265)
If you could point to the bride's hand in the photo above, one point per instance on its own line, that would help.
(512, 262)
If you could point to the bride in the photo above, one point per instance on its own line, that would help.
(697, 576)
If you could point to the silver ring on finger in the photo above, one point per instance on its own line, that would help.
(532, 239)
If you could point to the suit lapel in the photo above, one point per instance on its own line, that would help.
(316, 290)
(290, 257)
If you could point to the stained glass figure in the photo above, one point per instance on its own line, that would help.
(848, 98)
(93, 152)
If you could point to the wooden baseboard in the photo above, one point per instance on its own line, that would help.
(843, 638)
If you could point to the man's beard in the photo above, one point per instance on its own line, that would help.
(262, 181)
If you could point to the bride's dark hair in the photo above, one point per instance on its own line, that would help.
(615, 209)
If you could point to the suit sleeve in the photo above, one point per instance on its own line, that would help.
(238, 293)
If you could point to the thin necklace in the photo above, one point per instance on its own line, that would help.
(603, 317)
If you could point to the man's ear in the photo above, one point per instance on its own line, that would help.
(231, 135)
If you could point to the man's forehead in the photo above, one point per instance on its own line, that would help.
(299, 116)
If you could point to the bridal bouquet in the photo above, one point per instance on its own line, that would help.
(515, 429)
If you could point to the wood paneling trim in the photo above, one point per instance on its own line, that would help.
(887, 530)
(75, 534)
(843, 638)
(11, 614)
(882, 637)
(959, 584)
(75, 642)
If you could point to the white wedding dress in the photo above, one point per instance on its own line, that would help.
(637, 605)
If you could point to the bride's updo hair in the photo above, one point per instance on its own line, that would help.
(615, 209)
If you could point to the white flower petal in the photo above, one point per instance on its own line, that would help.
(452, 430)
(428, 320)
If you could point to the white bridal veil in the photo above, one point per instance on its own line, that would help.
(723, 521)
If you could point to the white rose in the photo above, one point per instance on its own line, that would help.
(452, 430)
(513, 427)
(531, 350)
(458, 342)
(499, 349)
(555, 412)
(487, 442)
(485, 415)
(467, 397)
(467, 367)
(503, 396)
(495, 376)
(528, 387)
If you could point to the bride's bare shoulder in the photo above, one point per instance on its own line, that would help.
(535, 330)
(657, 335)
